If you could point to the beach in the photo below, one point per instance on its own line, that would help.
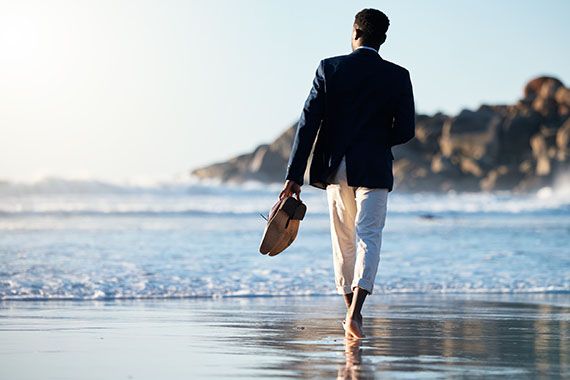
(408, 336)
(140, 162)
(125, 282)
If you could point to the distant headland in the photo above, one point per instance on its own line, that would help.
(519, 147)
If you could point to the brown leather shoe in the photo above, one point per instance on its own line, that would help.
(282, 225)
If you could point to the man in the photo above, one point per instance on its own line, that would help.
(359, 106)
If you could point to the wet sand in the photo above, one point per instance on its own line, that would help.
(408, 336)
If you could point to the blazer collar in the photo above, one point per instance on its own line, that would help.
(366, 51)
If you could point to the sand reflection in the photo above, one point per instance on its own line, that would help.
(426, 337)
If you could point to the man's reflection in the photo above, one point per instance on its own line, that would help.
(353, 367)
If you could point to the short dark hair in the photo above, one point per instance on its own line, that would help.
(373, 24)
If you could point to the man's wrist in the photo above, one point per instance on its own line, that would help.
(295, 180)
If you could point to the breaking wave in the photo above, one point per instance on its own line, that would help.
(53, 197)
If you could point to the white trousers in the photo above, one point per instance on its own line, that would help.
(357, 217)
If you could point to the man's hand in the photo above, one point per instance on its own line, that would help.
(290, 188)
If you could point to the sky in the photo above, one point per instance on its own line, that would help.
(119, 90)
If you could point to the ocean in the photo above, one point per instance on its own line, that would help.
(85, 240)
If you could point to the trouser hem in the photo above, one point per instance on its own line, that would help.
(346, 289)
(369, 287)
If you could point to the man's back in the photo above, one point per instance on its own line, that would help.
(361, 105)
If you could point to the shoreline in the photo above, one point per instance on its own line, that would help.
(505, 296)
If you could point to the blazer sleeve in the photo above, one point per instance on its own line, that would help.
(403, 128)
(307, 128)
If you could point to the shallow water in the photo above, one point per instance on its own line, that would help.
(84, 240)
(407, 337)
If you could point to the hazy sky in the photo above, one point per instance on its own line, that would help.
(149, 89)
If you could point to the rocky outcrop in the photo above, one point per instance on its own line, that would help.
(267, 163)
(516, 147)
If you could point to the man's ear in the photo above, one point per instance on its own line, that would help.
(383, 39)
(357, 33)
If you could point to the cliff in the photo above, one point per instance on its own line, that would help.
(517, 147)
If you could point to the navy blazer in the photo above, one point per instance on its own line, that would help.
(359, 106)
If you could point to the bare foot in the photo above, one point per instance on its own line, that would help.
(353, 327)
